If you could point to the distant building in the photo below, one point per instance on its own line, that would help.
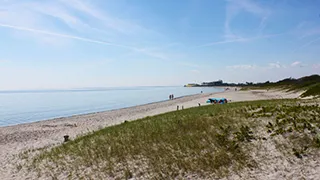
(213, 83)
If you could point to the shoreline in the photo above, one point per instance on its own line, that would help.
(110, 110)
(18, 138)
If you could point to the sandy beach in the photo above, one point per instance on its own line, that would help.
(18, 138)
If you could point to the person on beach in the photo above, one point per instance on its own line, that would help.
(172, 96)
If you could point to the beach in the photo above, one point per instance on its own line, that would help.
(18, 138)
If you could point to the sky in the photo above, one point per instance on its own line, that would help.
(61, 44)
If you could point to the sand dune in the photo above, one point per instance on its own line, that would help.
(15, 139)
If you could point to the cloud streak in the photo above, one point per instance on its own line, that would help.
(242, 39)
(62, 35)
(235, 7)
(309, 43)
(76, 18)
(80, 21)
(158, 55)
(296, 63)
(306, 30)
(244, 67)
(223, 42)
(269, 66)
(275, 65)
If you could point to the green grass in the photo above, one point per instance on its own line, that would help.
(209, 141)
(313, 90)
(309, 84)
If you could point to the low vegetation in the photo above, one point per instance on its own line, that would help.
(313, 90)
(204, 142)
(309, 84)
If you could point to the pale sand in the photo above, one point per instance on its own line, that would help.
(16, 139)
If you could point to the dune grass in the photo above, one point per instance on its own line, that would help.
(309, 84)
(313, 90)
(204, 142)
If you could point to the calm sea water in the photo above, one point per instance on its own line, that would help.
(18, 107)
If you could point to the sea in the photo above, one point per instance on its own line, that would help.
(17, 107)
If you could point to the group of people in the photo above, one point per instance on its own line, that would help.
(171, 96)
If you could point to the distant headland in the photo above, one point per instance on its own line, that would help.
(309, 84)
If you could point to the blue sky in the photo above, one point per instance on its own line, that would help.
(58, 44)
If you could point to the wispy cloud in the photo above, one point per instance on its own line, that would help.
(268, 66)
(306, 31)
(296, 63)
(62, 35)
(244, 66)
(275, 65)
(108, 21)
(311, 32)
(309, 43)
(145, 51)
(84, 7)
(77, 20)
(263, 24)
(75, 17)
(242, 39)
(223, 42)
(235, 7)
(45, 16)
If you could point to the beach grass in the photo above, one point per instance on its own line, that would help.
(309, 85)
(204, 142)
(313, 90)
